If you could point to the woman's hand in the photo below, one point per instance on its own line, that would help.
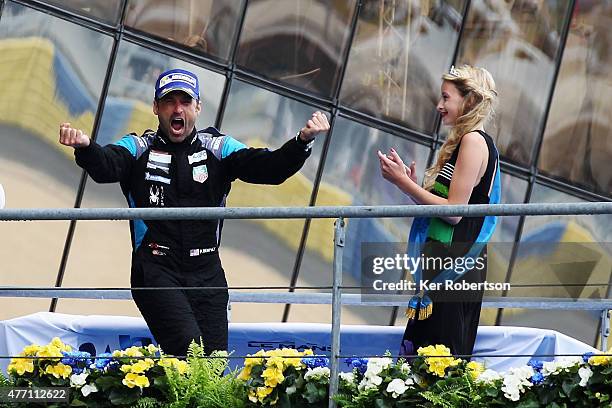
(393, 168)
(412, 171)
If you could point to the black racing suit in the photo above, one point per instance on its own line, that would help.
(154, 172)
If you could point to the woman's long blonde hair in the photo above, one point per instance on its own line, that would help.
(477, 87)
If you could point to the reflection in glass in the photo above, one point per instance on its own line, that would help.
(129, 104)
(572, 252)
(517, 42)
(208, 26)
(351, 176)
(399, 53)
(579, 125)
(51, 71)
(108, 10)
(262, 252)
(298, 42)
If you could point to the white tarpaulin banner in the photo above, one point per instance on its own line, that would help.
(99, 334)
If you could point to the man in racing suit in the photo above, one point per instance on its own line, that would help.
(178, 166)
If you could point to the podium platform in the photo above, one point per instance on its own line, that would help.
(99, 334)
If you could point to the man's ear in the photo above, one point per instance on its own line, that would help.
(198, 107)
(155, 108)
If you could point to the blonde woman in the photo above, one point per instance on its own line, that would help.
(453, 249)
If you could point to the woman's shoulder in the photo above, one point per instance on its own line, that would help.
(474, 139)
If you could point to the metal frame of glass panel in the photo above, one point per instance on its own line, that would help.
(229, 69)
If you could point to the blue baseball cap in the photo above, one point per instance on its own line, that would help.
(177, 80)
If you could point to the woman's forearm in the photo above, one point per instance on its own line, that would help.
(423, 197)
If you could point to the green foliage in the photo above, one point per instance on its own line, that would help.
(205, 386)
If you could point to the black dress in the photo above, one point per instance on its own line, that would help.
(455, 315)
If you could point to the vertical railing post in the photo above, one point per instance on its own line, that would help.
(339, 234)
(605, 329)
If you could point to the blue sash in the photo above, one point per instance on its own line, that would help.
(416, 240)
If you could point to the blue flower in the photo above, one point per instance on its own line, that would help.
(102, 363)
(536, 364)
(312, 362)
(537, 378)
(360, 364)
(587, 356)
(78, 360)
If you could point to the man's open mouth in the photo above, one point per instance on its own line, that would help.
(177, 124)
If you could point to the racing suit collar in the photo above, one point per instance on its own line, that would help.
(163, 139)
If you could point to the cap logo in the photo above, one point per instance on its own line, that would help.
(174, 77)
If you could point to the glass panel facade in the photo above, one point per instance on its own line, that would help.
(579, 125)
(398, 54)
(351, 176)
(573, 260)
(289, 51)
(267, 248)
(50, 71)
(107, 10)
(297, 42)
(207, 26)
(517, 42)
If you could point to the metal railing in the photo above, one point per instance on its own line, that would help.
(335, 298)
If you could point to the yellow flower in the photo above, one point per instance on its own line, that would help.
(273, 376)
(140, 367)
(152, 349)
(133, 352)
(59, 370)
(132, 380)
(126, 368)
(49, 351)
(245, 373)
(600, 360)
(263, 392)
(475, 369)
(438, 365)
(58, 343)
(21, 366)
(293, 357)
(181, 366)
(253, 361)
(30, 350)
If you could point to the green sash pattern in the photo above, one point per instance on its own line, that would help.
(440, 230)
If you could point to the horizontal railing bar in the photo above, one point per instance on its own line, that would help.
(348, 299)
(190, 213)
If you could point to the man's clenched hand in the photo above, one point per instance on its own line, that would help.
(72, 137)
(316, 124)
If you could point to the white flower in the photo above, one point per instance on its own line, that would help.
(515, 382)
(77, 380)
(377, 364)
(370, 381)
(409, 381)
(88, 389)
(488, 376)
(405, 368)
(348, 377)
(585, 373)
(560, 365)
(291, 390)
(396, 387)
(317, 373)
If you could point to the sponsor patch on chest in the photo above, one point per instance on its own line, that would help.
(200, 173)
(197, 157)
(159, 161)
